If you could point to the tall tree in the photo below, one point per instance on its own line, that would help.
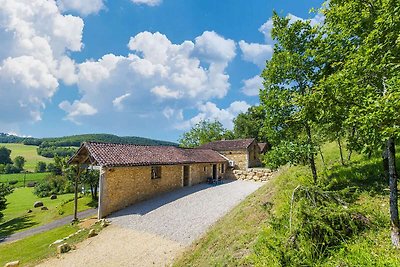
(5, 155)
(203, 132)
(250, 123)
(19, 162)
(287, 99)
(366, 34)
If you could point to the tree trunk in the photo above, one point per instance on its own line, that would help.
(349, 155)
(311, 156)
(322, 156)
(353, 132)
(76, 194)
(394, 211)
(341, 151)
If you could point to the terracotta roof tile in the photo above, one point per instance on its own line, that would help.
(237, 144)
(108, 155)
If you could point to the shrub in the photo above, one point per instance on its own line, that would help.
(13, 182)
(53, 185)
(40, 166)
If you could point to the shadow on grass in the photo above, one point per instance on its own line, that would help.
(14, 225)
(93, 204)
(358, 177)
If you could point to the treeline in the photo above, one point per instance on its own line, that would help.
(66, 146)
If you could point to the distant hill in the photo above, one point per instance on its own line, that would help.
(76, 140)
(67, 145)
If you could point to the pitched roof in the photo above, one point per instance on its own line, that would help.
(113, 155)
(263, 147)
(237, 144)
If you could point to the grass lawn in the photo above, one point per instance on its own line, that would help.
(17, 219)
(29, 251)
(29, 177)
(246, 236)
(28, 152)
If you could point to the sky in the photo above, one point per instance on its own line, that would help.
(150, 68)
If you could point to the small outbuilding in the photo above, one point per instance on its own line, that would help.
(131, 173)
(242, 153)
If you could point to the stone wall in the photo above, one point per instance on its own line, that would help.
(238, 156)
(257, 174)
(124, 186)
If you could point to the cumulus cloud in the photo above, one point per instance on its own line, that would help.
(252, 86)
(77, 109)
(256, 53)
(158, 78)
(210, 111)
(83, 7)
(34, 58)
(147, 2)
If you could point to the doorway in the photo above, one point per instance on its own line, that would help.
(186, 175)
(214, 171)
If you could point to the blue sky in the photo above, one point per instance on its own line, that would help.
(149, 68)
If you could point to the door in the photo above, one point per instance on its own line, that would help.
(186, 175)
(215, 171)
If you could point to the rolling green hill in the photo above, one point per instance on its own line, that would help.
(28, 152)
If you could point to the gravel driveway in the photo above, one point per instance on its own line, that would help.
(185, 214)
(154, 232)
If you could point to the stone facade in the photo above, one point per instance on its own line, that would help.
(124, 186)
(238, 156)
(254, 155)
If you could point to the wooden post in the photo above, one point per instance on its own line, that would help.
(76, 194)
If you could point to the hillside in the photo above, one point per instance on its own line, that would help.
(28, 152)
(76, 140)
(257, 232)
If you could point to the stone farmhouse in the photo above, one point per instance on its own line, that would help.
(131, 173)
(242, 153)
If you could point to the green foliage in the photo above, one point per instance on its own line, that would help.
(91, 178)
(40, 167)
(4, 191)
(249, 124)
(53, 185)
(19, 162)
(203, 132)
(5, 155)
(52, 151)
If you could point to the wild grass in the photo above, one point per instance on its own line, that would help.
(17, 219)
(21, 177)
(28, 152)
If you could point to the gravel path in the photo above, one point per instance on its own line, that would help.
(185, 214)
(154, 232)
(46, 227)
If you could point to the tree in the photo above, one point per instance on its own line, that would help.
(91, 178)
(204, 132)
(4, 191)
(249, 124)
(288, 97)
(40, 167)
(19, 162)
(5, 155)
(367, 77)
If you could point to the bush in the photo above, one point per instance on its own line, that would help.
(53, 185)
(40, 166)
(13, 182)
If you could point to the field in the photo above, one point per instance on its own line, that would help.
(28, 152)
(256, 233)
(20, 177)
(17, 219)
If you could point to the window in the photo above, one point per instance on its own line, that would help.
(222, 168)
(205, 168)
(156, 172)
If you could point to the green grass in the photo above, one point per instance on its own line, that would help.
(246, 236)
(28, 152)
(29, 177)
(17, 219)
(31, 250)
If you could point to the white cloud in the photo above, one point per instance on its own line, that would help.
(33, 56)
(83, 7)
(147, 2)
(77, 109)
(158, 79)
(117, 102)
(252, 86)
(256, 53)
(210, 111)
